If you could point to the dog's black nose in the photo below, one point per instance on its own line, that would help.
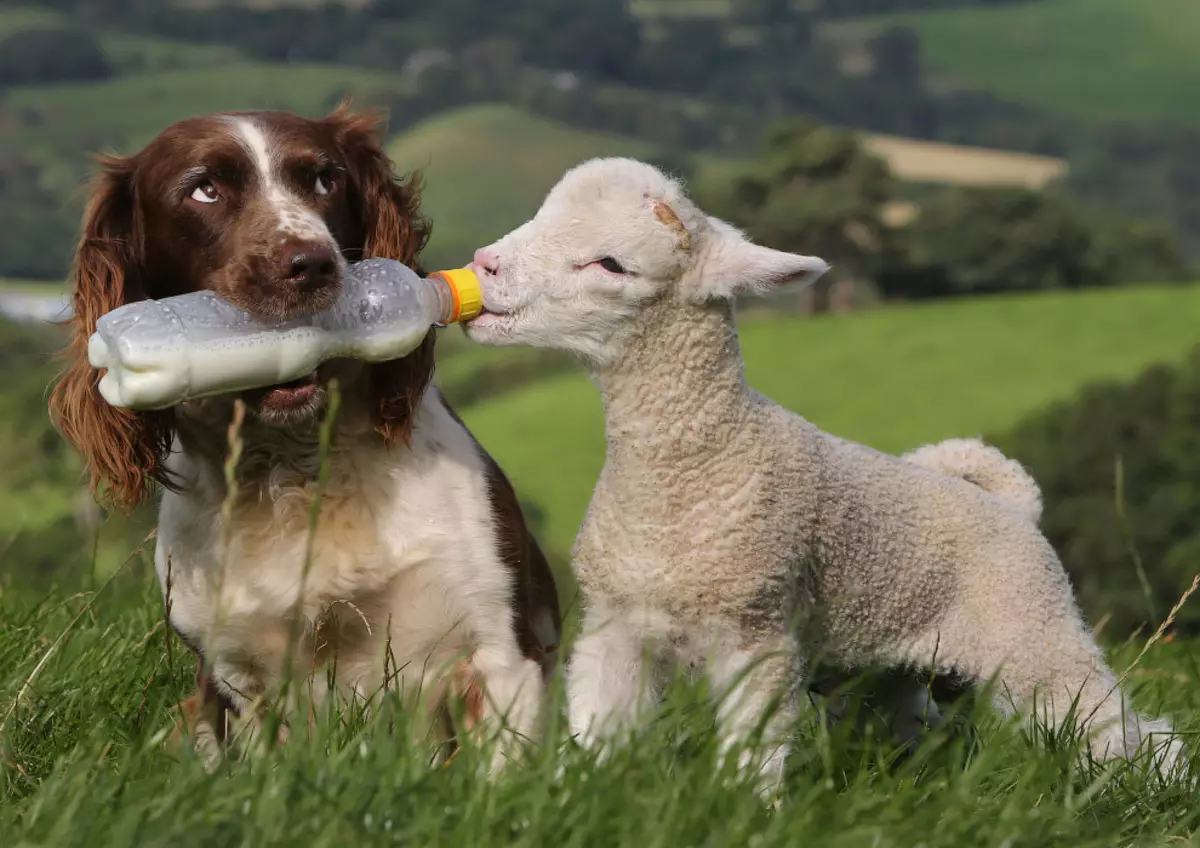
(310, 266)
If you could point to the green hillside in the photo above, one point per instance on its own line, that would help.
(1132, 59)
(488, 167)
(893, 378)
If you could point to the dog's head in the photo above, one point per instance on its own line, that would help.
(264, 208)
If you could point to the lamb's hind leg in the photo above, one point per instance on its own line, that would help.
(1020, 627)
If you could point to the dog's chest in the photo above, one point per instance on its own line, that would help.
(282, 555)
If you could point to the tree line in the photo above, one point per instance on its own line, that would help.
(815, 189)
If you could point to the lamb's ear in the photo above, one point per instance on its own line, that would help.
(733, 265)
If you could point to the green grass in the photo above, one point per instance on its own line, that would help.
(1128, 59)
(487, 169)
(893, 378)
(83, 762)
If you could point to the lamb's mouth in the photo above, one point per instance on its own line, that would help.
(489, 317)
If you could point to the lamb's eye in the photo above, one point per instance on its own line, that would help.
(206, 192)
(324, 184)
(611, 265)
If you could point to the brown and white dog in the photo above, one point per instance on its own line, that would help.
(420, 559)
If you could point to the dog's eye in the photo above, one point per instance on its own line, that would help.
(324, 184)
(206, 192)
(611, 265)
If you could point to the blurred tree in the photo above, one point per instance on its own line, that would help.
(687, 58)
(896, 57)
(600, 38)
(1137, 252)
(1131, 549)
(995, 239)
(395, 9)
(979, 240)
(815, 190)
(36, 241)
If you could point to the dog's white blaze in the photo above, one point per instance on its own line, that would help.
(295, 218)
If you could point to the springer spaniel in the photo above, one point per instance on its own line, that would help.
(422, 575)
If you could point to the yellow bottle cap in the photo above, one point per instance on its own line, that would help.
(464, 288)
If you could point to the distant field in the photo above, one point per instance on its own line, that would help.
(1127, 59)
(127, 53)
(893, 378)
(487, 169)
(930, 162)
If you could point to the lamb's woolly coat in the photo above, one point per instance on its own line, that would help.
(729, 533)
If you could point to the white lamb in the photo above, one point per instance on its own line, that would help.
(731, 535)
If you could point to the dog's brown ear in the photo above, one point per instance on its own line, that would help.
(123, 450)
(389, 208)
(389, 214)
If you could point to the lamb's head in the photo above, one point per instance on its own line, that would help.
(612, 237)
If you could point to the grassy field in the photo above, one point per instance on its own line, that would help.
(893, 378)
(1093, 58)
(87, 684)
(487, 169)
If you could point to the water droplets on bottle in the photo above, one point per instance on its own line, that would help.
(370, 308)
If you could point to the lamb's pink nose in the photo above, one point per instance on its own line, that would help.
(487, 260)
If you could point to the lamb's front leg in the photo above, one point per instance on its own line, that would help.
(755, 691)
(610, 684)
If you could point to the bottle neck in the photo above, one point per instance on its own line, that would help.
(444, 297)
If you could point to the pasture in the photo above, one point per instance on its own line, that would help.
(1110, 59)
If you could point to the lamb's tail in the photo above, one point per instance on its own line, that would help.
(986, 467)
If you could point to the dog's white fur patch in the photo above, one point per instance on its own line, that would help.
(295, 219)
